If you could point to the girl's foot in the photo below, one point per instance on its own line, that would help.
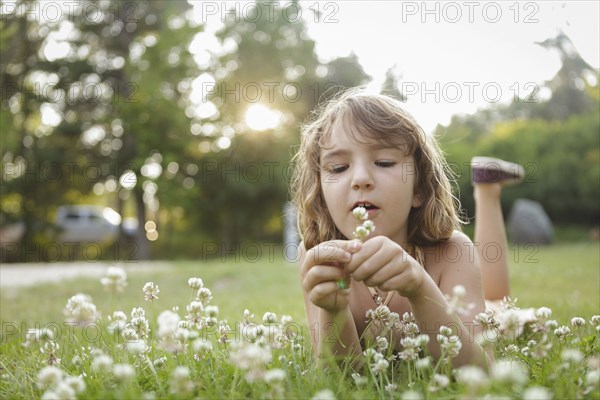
(494, 170)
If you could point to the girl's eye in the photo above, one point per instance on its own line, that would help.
(335, 168)
(385, 164)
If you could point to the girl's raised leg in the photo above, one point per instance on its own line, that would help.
(489, 175)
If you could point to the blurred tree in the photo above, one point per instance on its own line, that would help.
(265, 81)
(113, 99)
(390, 84)
(79, 95)
(555, 139)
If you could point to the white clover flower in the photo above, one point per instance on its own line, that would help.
(50, 395)
(168, 322)
(379, 366)
(183, 334)
(49, 376)
(195, 283)
(577, 321)
(411, 329)
(459, 291)
(573, 356)
(119, 316)
(180, 381)
(202, 346)
(512, 349)
(412, 395)
(102, 363)
(129, 334)
(115, 280)
(324, 394)
(275, 376)
(138, 312)
(64, 391)
(562, 331)
(452, 346)
(369, 226)
(487, 337)
(269, 318)
(247, 314)
(204, 295)
(286, 319)
(37, 335)
(360, 380)
(360, 213)
(76, 383)
(382, 343)
(76, 361)
(140, 326)
(391, 387)
(151, 291)
(595, 320)
(123, 372)
(422, 340)
(537, 393)
(444, 330)
(423, 363)
(471, 376)
(148, 396)
(551, 324)
(80, 309)
(438, 382)
(509, 371)
(212, 311)
(361, 232)
(592, 378)
(160, 361)
(136, 347)
(251, 357)
(543, 312)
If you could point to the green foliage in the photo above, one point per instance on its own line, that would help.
(556, 140)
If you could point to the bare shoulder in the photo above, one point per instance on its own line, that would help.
(457, 254)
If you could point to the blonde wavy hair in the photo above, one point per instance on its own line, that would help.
(380, 118)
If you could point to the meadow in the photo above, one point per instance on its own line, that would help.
(213, 359)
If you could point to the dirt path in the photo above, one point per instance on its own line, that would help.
(19, 275)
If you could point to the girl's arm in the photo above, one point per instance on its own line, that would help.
(328, 314)
(383, 263)
(430, 306)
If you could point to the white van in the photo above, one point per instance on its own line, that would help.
(88, 223)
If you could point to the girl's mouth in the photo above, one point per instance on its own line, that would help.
(366, 205)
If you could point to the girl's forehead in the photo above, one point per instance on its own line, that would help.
(344, 130)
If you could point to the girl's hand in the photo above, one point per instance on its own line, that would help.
(384, 264)
(322, 268)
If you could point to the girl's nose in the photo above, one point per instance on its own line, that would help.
(361, 178)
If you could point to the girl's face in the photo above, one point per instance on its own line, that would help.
(379, 178)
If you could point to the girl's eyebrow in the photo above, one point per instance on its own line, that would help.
(334, 153)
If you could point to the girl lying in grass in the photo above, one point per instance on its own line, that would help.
(364, 150)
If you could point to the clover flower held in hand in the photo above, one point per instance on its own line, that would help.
(151, 291)
(366, 226)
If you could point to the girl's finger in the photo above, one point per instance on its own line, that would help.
(322, 273)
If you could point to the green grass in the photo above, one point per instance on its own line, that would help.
(236, 285)
(564, 277)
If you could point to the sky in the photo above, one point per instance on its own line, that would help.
(455, 57)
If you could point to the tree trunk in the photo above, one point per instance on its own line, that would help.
(142, 244)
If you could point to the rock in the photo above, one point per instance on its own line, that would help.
(529, 223)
